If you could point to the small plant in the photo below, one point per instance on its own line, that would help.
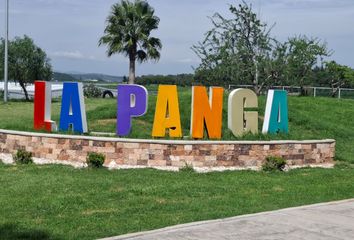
(188, 168)
(274, 164)
(91, 91)
(344, 165)
(23, 157)
(95, 160)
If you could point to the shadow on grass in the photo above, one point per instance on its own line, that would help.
(14, 232)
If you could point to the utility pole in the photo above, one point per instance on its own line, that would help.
(6, 50)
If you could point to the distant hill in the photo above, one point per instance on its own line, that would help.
(85, 77)
(63, 77)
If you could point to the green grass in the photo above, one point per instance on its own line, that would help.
(310, 118)
(56, 202)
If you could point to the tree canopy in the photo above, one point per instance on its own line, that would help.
(27, 62)
(128, 32)
(240, 50)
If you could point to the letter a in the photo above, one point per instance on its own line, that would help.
(73, 112)
(276, 116)
(167, 115)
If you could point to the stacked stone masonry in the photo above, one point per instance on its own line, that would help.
(149, 153)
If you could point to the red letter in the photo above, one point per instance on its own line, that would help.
(42, 107)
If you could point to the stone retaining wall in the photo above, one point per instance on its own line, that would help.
(125, 153)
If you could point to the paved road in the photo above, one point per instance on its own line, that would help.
(322, 221)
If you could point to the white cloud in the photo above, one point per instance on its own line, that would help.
(67, 54)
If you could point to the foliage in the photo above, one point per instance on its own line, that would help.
(304, 54)
(338, 76)
(188, 168)
(27, 62)
(91, 91)
(95, 160)
(1, 95)
(179, 79)
(128, 31)
(23, 157)
(235, 49)
(273, 163)
(241, 51)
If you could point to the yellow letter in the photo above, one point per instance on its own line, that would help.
(207, 112)
(240, 121)
(167, 115)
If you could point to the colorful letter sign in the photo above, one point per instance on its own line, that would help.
(73, 114)
(42, 107)
(132, 102)
(207, 112)
(276, 115)
(167, 115)
(239, 120)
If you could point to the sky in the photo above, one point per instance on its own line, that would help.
(69, 30)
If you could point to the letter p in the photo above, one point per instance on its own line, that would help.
(132, 102)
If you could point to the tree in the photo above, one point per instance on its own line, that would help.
(27, 62)
(304, 54)
(234, 50)
(338, 76)
(128, 30)
(274, 67)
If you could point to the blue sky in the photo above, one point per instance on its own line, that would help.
(68, 30)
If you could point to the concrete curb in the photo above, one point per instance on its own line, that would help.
(194, 224)
(166, 142)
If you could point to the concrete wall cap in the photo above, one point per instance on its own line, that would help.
(164, 142)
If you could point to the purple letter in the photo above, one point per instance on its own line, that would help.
(132, 102)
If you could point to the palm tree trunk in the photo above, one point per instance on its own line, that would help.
(131, 70)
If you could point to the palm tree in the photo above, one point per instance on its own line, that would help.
(128, 30)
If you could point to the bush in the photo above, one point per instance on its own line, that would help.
(91, 91)
(274, 164)
(95, 160)
(1, 95)
(188, 168)
(23, 157)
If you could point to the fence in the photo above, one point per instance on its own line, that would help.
(310, 91)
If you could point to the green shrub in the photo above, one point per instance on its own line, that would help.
(274, 164)
(91, 91)
(95, 160)
(1, 95)
(23, 157)
(344, 165)
(188, 168)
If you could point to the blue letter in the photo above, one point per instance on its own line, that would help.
(73, 108)
(276, 116)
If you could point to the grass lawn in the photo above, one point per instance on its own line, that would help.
(310, 118)
(56, 202)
